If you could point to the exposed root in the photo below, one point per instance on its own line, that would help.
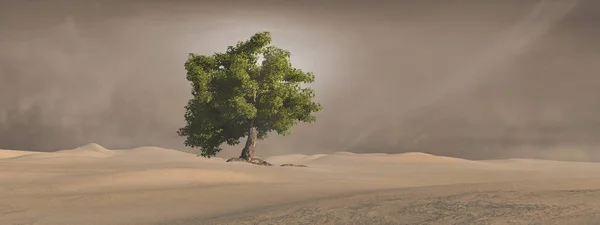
(293, 165)
(255, 161)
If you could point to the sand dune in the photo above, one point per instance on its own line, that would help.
(149, 185)
(346, 157)
(5, 154)
(90, 150)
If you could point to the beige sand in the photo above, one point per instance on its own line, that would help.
(94, 185)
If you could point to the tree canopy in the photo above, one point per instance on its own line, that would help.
(236, 96)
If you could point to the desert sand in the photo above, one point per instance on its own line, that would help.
(149, 185)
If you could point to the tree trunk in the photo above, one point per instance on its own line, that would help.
(248, 151)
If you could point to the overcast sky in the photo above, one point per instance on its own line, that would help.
(470, 78)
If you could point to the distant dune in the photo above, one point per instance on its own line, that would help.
(6, 154)
(150, 185)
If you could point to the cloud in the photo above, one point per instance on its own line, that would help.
(468, 80)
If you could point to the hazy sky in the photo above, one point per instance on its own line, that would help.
(470, 78)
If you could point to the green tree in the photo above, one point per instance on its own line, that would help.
(236, 96)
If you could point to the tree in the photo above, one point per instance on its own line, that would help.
(236, 96)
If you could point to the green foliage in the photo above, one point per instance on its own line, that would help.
(231, 91)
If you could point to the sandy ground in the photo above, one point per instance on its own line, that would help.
(92, 185)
